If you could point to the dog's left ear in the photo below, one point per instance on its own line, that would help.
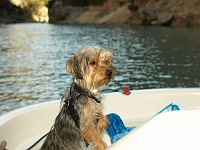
(73, 67)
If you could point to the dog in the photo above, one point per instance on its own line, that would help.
(81, 121)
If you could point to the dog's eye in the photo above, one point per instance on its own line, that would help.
(107, 62)
(92, 62)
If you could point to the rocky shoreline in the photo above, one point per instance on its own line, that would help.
(10, 13)
(140, 12)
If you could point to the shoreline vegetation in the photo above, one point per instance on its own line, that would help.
(176, 13)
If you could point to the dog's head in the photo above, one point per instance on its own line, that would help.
(91, 67)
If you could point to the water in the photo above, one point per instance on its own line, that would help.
(33, 56)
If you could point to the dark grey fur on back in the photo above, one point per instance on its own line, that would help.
(65, 133)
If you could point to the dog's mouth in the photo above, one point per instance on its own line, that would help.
(102, 83)
(109, 75)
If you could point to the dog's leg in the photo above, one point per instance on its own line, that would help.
(102, 124)
(93, 136)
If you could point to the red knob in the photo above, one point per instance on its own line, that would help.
(126, 90)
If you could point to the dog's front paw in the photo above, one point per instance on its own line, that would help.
(100, 146)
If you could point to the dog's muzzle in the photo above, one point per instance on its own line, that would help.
(109, 73)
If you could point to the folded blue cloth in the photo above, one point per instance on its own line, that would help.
(170, 107)
(117, 129)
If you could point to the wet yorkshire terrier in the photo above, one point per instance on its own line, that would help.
(81, 121)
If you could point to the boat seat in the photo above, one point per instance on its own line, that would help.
(164, 130)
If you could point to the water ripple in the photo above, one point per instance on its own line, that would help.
(33, 57)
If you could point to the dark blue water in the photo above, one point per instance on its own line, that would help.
(33, 56)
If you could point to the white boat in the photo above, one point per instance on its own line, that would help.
(169, 130)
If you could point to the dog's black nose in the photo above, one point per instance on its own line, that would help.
(109, 73)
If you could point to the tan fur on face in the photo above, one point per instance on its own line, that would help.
(90, 67)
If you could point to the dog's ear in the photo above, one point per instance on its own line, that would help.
(73, 67)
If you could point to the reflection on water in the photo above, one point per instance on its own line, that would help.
(33, 56)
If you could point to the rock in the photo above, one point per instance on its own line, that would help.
(155, 16)
(148, 15)
(64, 14)
(121, 15)
(164, 18)
(108, 13)
(41, 15)
(91, 15)
(148, 12)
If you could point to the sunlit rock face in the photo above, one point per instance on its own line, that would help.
(37, 9)
(40, 15)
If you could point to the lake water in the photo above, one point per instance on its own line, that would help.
(33, 56)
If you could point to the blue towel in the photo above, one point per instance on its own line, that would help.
(117, 129)
(170, 107)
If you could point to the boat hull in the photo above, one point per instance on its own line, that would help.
(22, 127)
